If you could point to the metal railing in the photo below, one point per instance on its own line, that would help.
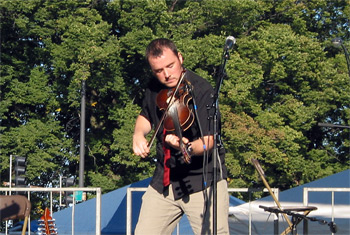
(60, 190)
(306, 191)
(250, 190)
(129, 207)
(230, 190)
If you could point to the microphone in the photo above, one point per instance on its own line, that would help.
(230, 41)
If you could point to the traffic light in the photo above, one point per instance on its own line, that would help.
(20, 171)
(68, 195)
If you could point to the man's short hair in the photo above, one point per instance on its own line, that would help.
(155, 48)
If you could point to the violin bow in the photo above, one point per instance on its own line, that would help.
(167, 109)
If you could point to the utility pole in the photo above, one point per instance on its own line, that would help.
(82, 135)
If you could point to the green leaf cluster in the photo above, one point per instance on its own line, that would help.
(283, 77)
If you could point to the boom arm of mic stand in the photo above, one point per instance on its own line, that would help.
(333, 125)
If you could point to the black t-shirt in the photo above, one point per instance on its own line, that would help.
(186, 178)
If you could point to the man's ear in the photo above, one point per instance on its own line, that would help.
(180, 57)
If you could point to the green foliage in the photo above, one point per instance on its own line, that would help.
(283, 77)
(44, 146)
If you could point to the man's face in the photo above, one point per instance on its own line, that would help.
(167, 68)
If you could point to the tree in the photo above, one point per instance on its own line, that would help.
(283, 77)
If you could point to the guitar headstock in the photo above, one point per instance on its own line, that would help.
(47, 223)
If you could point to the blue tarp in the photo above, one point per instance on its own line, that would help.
(338, 180)
(113, 213)
(34, 225)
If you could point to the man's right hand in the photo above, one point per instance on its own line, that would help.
(140, 146)
(139, 141)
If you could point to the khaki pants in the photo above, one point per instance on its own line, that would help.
(160, 213)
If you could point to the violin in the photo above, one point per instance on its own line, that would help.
(177, 116)
(180, 102)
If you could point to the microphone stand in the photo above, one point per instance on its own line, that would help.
(221, 75)
(296, 217)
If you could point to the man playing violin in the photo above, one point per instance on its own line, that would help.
(178, 186)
